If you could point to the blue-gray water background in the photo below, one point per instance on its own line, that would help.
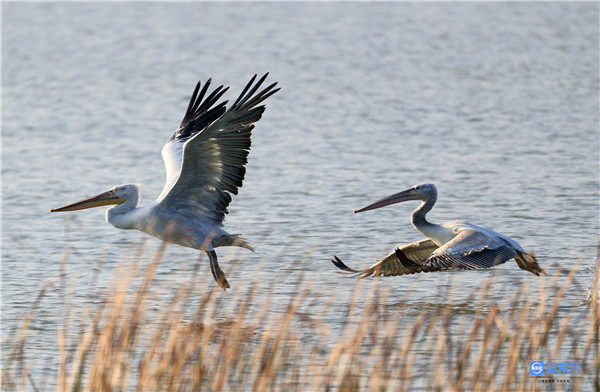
(496, 103)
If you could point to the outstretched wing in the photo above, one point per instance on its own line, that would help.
(471, 249)
(206, 158)
(405, 260)
(199, 114)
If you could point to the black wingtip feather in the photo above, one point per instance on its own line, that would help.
(340, 264)
(197, 98)
(244, 91)
(198, 104)
(193, 98)
(260, 97)
(201, 111)
(242, 102)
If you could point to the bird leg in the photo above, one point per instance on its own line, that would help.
(528, 262)
(216, 270)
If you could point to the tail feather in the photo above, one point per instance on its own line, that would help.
(528, 262)
(232, 240)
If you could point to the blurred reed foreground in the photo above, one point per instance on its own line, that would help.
(137, 336)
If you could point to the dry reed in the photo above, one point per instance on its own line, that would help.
(135, 336)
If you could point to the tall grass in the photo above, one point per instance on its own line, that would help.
(137, 336)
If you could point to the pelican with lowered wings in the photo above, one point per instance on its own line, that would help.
(451, 245)
(205, 162)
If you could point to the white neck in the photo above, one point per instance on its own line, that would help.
(437, 233)
(122, 215)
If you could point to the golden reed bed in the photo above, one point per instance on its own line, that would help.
(136, 336)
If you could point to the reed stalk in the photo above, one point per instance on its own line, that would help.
(137, 335)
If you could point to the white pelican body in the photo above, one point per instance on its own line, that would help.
(450, 245)
(205, 162)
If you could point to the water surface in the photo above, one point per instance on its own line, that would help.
(495, 103)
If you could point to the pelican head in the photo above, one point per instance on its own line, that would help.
(422, 192)
(117, 195)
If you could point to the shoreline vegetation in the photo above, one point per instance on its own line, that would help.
(133, 335)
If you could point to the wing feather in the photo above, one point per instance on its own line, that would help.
(471, 249)
(405, 260)
(200, 112)
(206, 163)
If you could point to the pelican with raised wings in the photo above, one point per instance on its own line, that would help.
(451, 245)
(205, 160)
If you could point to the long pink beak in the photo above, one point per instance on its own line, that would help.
(406, 195)
(102, 199)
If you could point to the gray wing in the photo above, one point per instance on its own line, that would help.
(471, 249)
(405, 260)
(206, 158)
(199, 114)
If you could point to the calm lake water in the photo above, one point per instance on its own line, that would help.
(495, 103)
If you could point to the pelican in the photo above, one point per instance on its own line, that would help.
(205, 161)
(449, 246)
